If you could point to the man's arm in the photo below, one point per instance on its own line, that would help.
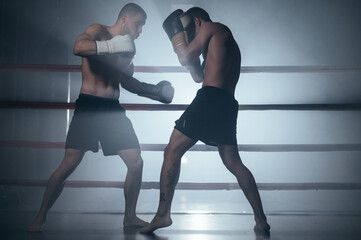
(129, 83)
(116, 52)
(196, 71)
(163, 91)
(85, 45)
(90, 43)
(188, 54)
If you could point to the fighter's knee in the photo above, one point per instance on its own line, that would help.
(135, 164)
(172, 154)
(169, 151)
(230, 164)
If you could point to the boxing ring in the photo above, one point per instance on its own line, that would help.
(150, 147)
(205, 148)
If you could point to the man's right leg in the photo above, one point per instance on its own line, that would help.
(177, 146)
(55, 185)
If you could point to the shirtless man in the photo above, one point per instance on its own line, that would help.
(212, 115)
(107, 53)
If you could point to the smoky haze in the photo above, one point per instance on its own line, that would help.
(269, 33)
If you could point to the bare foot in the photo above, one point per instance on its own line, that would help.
(262, 230)
(35, 227)
(157, 222)
(134, 222)
(37, 224)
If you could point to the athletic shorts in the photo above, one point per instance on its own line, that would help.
(211, 117)
(103, 120)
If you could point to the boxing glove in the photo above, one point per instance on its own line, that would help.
(117, 44)
(174, 26)
(162, 92)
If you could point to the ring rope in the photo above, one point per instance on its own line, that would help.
(180, 69)
(181, 107)
(207, 148)
(187, 185)
(174, 107)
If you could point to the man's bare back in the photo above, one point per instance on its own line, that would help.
(222, 57)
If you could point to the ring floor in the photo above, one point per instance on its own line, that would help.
(96, 226)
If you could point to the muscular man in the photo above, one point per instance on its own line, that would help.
(212, 115)
(107, 53)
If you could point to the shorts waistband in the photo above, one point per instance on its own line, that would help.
(215, 91)
(83, 96)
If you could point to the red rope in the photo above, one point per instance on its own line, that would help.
(65, 105)
(77, 68)
(181, 107)
(179, 69)
(206, 148)
(41, 68)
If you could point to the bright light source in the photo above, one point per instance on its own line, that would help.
(199, 222)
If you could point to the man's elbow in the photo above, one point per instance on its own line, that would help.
(183, 60)
(198, 79)
(76, 49)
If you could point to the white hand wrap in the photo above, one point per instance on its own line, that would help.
(118, 44)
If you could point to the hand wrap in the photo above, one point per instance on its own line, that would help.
(174, 26)
(117, 44)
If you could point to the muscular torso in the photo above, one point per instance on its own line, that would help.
(222, 58)
(101, 74)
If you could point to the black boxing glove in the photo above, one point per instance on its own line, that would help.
(162, 92)
(174, 26)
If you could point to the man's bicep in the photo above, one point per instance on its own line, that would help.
(85, 43)
(84, 37)
(92, 33)
(129, 70)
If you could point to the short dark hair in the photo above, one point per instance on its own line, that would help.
(131, 9)
(198, 12)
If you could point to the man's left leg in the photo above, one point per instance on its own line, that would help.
(233, 162)
(133, 181)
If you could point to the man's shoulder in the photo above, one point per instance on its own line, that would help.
(220, 27)
(216, 28)
(98, 30)
(97, 27)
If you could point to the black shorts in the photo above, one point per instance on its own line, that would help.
(103, 120)
(211, 117)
